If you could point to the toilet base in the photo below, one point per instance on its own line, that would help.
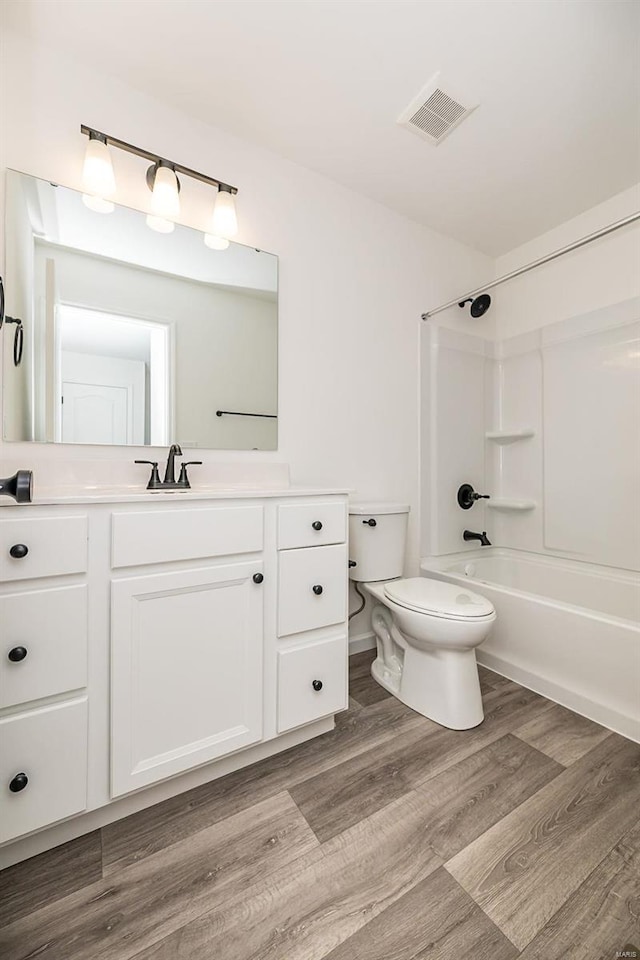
(442, 685)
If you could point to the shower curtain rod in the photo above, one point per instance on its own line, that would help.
(536, 263)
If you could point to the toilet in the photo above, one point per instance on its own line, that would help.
(426, 630)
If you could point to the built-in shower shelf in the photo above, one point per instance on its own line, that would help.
(509, 436)
(510, 503)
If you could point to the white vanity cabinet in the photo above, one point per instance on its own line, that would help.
(169, 639)
(312, 612)
(186, 670)
(43, 668)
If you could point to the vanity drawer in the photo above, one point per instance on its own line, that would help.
(49, 747)
(55, 546)
(158, 536)
(313, 588)
(312, 682)
(311, 524)
(43, 643)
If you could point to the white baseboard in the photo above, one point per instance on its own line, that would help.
(362, 641)
(598, 712)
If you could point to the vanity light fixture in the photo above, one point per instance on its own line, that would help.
(97, 175)
(162, 179)
(165, 200)
(224, 222)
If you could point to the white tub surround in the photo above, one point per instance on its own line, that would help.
(151, 642)
(568, 630)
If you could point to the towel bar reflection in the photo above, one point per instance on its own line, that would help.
(237, 413)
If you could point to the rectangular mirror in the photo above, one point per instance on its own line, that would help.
(130, 336)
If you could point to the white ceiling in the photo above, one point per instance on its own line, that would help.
(322, 82)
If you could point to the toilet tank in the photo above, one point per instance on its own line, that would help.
(377, 539)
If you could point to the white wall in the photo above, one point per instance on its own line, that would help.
(604, 272)
(354, 277)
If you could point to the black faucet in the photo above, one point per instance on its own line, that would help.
(482, 537)
(170, 473)
(170, 482)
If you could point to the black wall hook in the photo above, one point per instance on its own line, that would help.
(18, 340)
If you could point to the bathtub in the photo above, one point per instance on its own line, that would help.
(568, 630)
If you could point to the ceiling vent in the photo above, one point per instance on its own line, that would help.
(436, 111)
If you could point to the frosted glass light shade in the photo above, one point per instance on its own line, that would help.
(97, 173)
(97, 204)
(160, 225)
(224, 222)
(165, 201)
(215, 243)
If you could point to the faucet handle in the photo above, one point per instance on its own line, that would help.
(467, 496)
(154, 479)
(183, 478)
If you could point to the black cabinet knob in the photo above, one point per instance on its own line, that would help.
(317, 589)
(317, 685)
(18, 551)
(258, 578)
(317, 525)
(18, 783)
(371, 522)
(17, 654)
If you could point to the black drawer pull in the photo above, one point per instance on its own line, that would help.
(371, 522)
(258, 578)
(17, 654)
(18, 783)
(317, 589)
(317, 685)
(317, 525)
(19, 550)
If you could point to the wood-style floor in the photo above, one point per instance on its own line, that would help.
(390, 838)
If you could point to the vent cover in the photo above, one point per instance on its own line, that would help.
(434, 113)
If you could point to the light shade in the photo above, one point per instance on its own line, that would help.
(224, 222)
(97, 204)
(165, 201)
(160, 224)
(215, 243)
(97, 174)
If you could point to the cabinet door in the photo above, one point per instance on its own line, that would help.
(313, 588)
(43, 767)
(186, 670)
(312, 681)
(43, 643)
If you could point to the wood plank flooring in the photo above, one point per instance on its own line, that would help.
(390, 838)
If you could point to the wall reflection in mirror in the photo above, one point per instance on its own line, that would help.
(131, 336)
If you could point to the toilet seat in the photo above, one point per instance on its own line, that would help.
(439, 599)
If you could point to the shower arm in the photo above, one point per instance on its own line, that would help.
(536, 263)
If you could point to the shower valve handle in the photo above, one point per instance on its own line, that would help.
(467, 496)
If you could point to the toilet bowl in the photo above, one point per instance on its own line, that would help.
(426, 630)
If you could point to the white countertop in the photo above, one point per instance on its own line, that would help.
(121, 495)
(123, 481)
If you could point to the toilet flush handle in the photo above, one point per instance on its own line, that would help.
(371, 522)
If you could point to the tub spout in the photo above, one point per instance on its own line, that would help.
(482, 537)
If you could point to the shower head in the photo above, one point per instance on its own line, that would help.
(478, 306)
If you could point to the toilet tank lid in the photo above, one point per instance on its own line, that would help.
(370, 508)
